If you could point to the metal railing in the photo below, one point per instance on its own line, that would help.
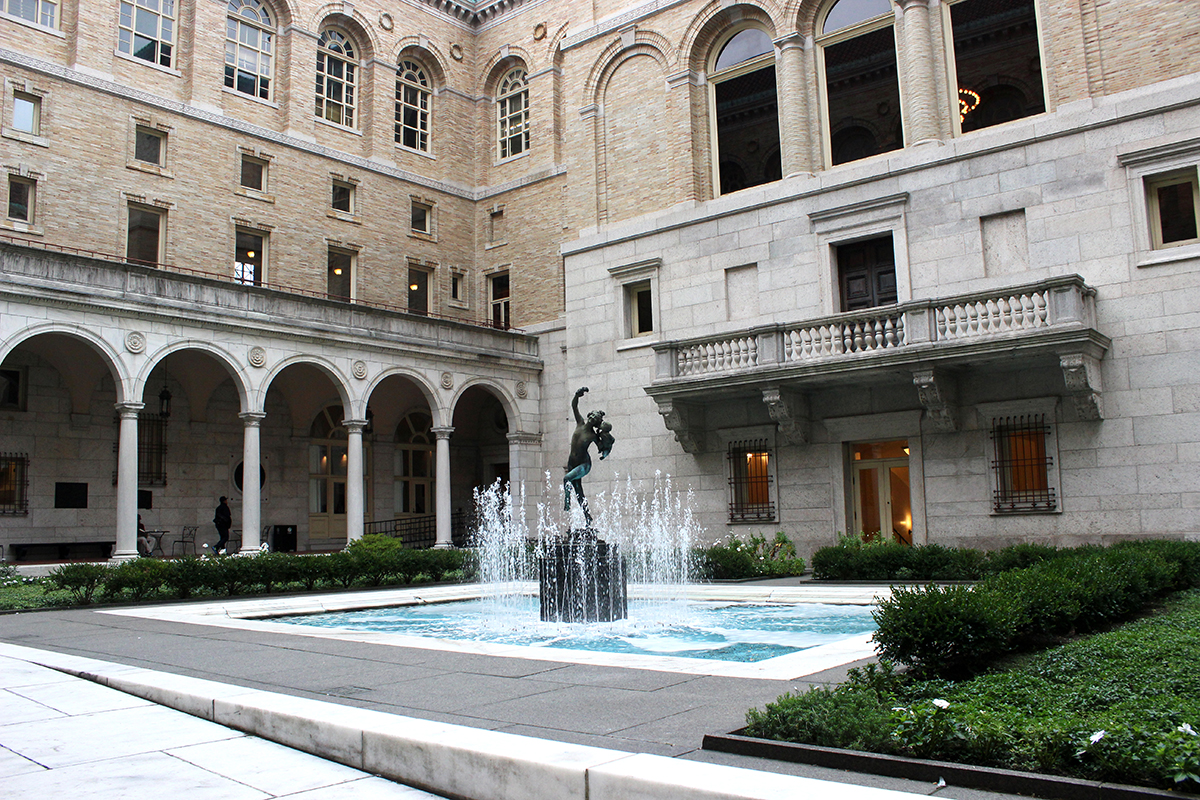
(421, 532)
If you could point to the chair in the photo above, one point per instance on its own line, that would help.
(188, 537)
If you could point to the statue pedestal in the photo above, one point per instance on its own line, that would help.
(582, 579)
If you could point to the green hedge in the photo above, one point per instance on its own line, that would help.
(854, 558)
(952, 631)
(370, 561)
(734, 559)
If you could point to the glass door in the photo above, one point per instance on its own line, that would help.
(882, 499)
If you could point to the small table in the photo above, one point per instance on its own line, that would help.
(157, 536)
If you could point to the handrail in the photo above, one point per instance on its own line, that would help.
(270, 286)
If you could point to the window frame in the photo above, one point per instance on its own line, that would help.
(512, 125)
(263, 173)
(500, 308)
(713, 78)
(628, 279)
(161, 214)
(841, 35)
(429, 275)
(459, 293)
(16, 465)
(422, 108)
(24, 91)
(264, 249)
(161, 59)
(266, 32)
(1044, 409)
(351, 256)
(22, 382)
(349, 58)
(951, 62)
(41, 7)
(146, 133)
(1149, 164)
(35, 117)
(430, 230)
(1154, 211)
(741, 442)
(30, 200)
(351, 199)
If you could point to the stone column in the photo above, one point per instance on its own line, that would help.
(792, 97)
(354, 478)
(920, 87)
(127, 481)
(251, 466)
(442, 481)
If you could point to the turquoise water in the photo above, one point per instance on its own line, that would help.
(721, 631)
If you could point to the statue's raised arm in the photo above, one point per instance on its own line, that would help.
(580, 392)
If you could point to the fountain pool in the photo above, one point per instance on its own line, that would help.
(707, 630)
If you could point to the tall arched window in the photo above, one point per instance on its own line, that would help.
(997, 61)
(861, 87)
(249, 48)
(745, 111)
(512, 113)
(337, 74)
(414, 468)
(412, 106)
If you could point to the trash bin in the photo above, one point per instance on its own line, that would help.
(284, 538)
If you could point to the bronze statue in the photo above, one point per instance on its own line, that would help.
(596, 430)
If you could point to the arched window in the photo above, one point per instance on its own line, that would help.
(249, 48)
(746, 110)
(997, 61)
(512, 113)
(412, 106)
(414, 468)
(862, 87)
(337, 75)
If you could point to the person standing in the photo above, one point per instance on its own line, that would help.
(223, 519)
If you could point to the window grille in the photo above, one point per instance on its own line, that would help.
(152, 450)
(14, 483)
(750, 482)
(1021, 466)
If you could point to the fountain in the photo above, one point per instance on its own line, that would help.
(583, 563)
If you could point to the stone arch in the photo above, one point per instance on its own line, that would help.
(219, 354)
(507, 401)
(350, 19)
(503, 60)
(427, 53)
(715, 19)
(645, 43)
(337, 377)
(124, 378)
(285, 13)
(437, 410)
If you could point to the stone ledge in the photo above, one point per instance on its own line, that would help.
(965, 775)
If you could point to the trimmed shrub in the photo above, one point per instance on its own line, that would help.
(735, 559)
(81, 580)
(141, 576)
(849, 717)
(187, 575)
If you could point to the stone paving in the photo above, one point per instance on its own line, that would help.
(631, 710)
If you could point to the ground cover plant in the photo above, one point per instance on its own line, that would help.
(1122, 706)
(756, 557)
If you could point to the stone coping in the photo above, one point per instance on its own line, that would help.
(449, 760)
(254, 615)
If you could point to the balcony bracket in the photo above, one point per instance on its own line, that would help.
(937, 394)
(683, 420)
(1081, 373)
(790, 412)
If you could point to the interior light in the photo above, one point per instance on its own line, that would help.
(412, 287)
(967, 102)
(337, 270)
(249, 254)
(905, 449)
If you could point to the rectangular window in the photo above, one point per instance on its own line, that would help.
(149, 146)
(457, 287)
(254, 174)
(146, 30)
(144, 243)
(249, 258)
(862, 86)
(1021, 465)
(422, 217)
(70, 495)
(340, 274)
(20, 198)
(12, 390)
(1173, 200)
(750, 482)
(14, 483)
(867, 273)
(499, 292)
(152, 449)
(496, 229)
(641, 310)
(27, 113)
(997, 62)
(343, 197)
(418, 291)
(39, 12)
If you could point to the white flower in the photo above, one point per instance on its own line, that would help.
(1185, 728)
(942, 704)
(1097, 736)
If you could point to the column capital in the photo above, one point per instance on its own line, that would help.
(442, 432)
(355, 425)
(129, 410)
(252, 419)
(905, 5)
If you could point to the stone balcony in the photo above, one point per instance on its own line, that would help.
(921, 343)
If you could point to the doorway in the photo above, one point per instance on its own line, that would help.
(882, 494)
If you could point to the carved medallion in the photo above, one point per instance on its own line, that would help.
(359, 369)
(257, 357)
(447, 380)
(522, 390)
(135, 342)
